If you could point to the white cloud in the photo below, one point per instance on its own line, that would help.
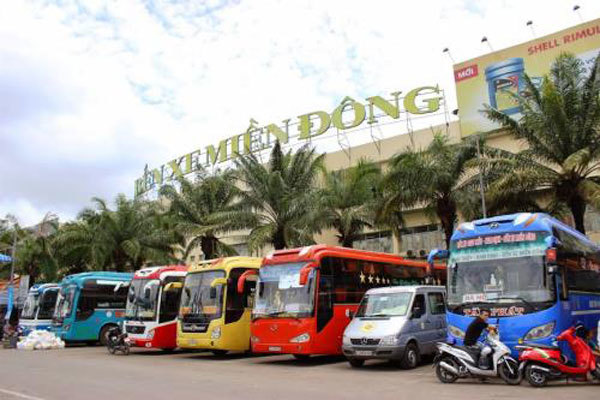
(92, 91)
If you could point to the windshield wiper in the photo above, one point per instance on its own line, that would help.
(377, 315)
(518, 298)
(278, 313)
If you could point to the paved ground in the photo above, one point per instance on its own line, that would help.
(92, 373)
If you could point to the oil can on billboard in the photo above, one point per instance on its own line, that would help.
(492, 78)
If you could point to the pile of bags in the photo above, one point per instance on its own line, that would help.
(40, 340)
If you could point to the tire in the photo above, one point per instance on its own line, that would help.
(356, 363)
(534, 377)
(302, 357)
(219, 352)
(411, 357)
(103, 336)
(512, 378)
(443, 375)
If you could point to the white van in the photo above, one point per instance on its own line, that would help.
(397, 323)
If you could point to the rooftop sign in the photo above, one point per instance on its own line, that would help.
(349, 115)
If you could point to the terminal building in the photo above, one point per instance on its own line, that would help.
(378, 127)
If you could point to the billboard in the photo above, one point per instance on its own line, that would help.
(489, 79)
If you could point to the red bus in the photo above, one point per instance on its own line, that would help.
(153, 306)
(305, 297)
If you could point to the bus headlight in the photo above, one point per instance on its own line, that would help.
(305, 337)
(540, 332)
(216, 333)
(151, 334)
(454, 331)
(390, 340)
(254, 339)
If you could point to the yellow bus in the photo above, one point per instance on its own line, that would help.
(216, 305)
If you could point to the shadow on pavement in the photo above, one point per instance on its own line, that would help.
(313, 361)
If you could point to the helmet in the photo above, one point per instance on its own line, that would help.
(580, 329)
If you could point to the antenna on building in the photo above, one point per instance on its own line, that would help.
(447, 51)
(576, 9)
(530, 25)
(486, 41)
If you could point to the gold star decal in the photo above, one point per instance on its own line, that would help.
(370, 278)
(377, 280)
(362, 277)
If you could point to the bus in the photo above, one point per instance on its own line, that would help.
(153, 306)
(89, 304)
(38, 308)
(535, 274)
(216, 305)
(306, 297)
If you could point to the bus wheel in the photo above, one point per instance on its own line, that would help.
(103, 337)
(411, 357)
(302, 357)
(219, 352)
(356, 363)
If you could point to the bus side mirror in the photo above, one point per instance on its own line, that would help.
(213, 287)
(304, 272)
(242, 279)
(349, 313)
(173, 286)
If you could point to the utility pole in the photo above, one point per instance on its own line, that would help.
(481, 190)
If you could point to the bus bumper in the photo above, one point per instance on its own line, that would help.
(373, 352)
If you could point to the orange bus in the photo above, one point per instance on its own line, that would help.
(305, 297)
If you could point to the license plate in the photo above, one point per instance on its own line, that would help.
(274, 348)
(364, 353)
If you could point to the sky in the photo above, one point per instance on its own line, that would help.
(92, 91)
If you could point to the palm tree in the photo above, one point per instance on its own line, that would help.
(559, 124)
(280, 197)
(193, 210)
(35, 254)
(347, 200)
(437, 178)
(121, 239)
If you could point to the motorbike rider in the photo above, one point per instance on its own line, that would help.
(474, 330)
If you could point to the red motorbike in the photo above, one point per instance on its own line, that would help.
(542, 363)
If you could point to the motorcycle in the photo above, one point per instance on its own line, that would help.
(453, 362)
(116, 340)
(541, 363)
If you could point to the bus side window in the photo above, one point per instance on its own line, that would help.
(324, 301)
(235, 302)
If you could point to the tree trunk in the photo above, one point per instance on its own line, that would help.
(578, 206)
(279, 240)
(446, 211)
(347, 241)
(208, 246)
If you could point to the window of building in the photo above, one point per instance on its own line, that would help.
(375, 241)
(416, 242)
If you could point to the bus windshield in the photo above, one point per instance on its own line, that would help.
(280, 294)
(384, 304)
(30, 307)
(197, 304)
(505, 280)
(46, 303)
(64, 303)
(142, 299)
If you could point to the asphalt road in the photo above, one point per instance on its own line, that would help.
(92, 373)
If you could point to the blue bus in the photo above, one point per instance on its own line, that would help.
(536, 275)
(89, 304)
(38, 308)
